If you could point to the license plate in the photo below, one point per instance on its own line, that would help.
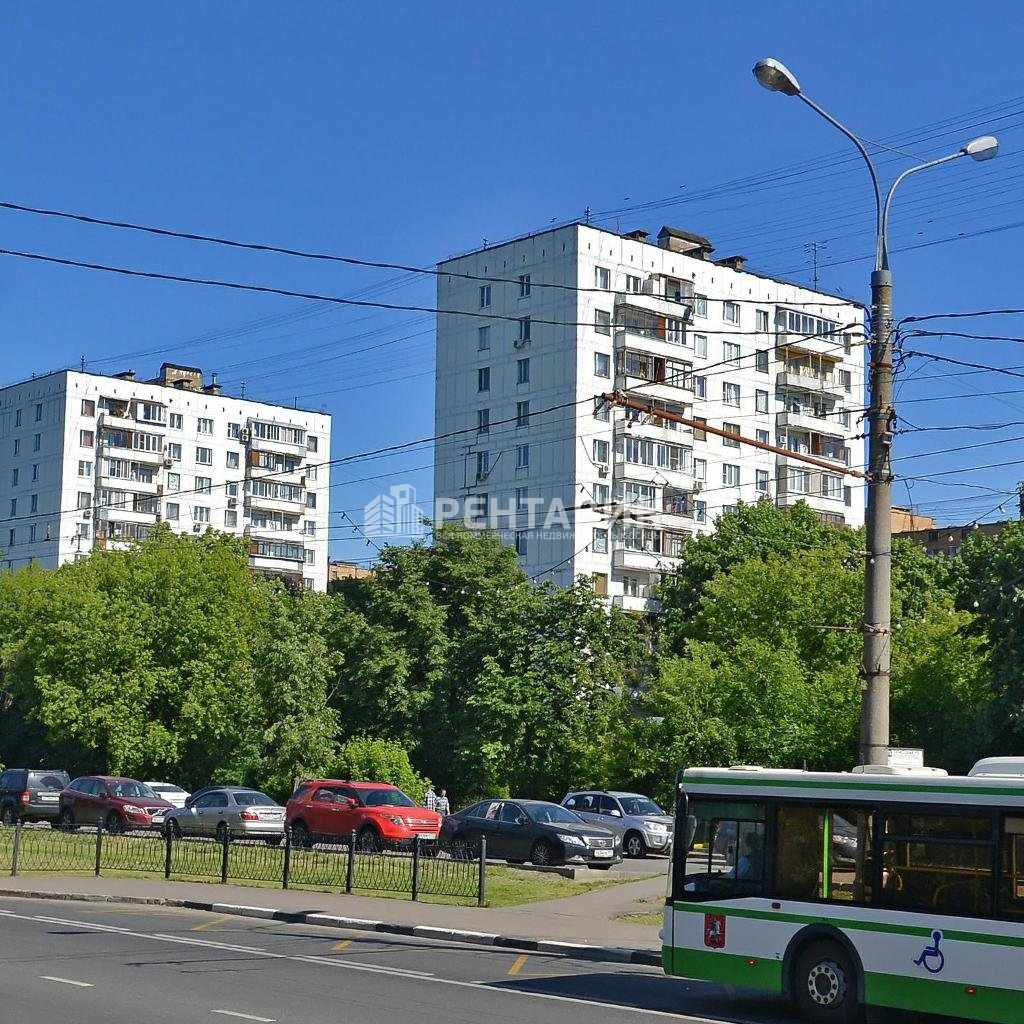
(602, 853)
(49, 798)
(426, 835)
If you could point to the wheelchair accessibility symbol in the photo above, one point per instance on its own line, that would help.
(932, 958)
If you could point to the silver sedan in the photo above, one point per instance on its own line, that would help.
(231, 811)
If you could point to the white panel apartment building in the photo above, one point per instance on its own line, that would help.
(773, 361)
(93, 462)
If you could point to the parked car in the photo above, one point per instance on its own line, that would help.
(643, 826)
(113, 801)
(31, 794)
(532, 830)
(332, 809)
(168, 791)
(234, 811)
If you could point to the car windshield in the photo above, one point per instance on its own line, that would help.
(636, 805)
(553, 814)
(131, 789)
(254, 800)
(384, 798)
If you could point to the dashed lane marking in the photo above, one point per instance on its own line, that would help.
(518, 965)
(222, 919)
(67, 981)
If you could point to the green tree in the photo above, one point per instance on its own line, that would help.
(377, 760)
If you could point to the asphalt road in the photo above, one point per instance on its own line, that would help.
(113, 964)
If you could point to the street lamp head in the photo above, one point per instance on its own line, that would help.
(776, 77)
(982, 149)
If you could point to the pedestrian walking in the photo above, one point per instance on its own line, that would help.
(442, 806)
(430, 797)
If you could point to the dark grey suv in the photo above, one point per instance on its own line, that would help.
(31, 794)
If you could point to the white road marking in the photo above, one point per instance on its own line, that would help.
(340, 963)
(67, 981)
(245, 1016)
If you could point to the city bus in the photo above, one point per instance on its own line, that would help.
(899, 888)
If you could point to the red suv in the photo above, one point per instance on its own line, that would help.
(111, 800)
(328, 810)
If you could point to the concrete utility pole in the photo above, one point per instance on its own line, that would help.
(874, 722)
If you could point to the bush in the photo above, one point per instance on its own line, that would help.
(375, 760)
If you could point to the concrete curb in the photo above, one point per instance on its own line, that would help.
(578, 951)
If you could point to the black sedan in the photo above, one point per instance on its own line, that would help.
(531, 830)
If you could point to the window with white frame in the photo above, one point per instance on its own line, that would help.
(631, 586)
(730, 474)
(204, 425)
(846, 379)
(524, 329)
(524, 285)
(602, 364)
(762, 436)
(731, 394)
(485, 295)
(309, 528)
(599, 541)
(522, 414)
(602, 410)
(231, 518)
(761, 480)
(700, 345)
(700, 305)
(600, 450)
(761, 318)
(523, 371)
(204, 456)
(231, 460)
(675, 331)
(761, 401)
(483, 378)
(483, 338)
(700, 469)
(174, 481)
(844, 417)
(732, 428)
(522, 456)
(639, 451)
(234, 431)
(831, 486)
(731, 353)
(634, 284)
(483, 464)
(602, 277)
(204, 485)
(600, 494)
(176, 421)
(200, 513)
(483, 421)
(84, 467)
(700, 387)
(731, 312)
(84, 500)
(641, 495)
(799, 481)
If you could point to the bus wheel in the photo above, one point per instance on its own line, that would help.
(825, 984)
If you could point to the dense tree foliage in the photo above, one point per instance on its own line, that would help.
(172, 659)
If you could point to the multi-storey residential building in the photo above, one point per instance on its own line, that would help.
(565, 315)
(91, 462)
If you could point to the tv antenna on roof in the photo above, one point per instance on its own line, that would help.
(814, 248)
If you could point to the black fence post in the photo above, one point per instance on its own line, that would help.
(481, 884)
(224, 846)
(99, 847)
(17, 848)
(350, 872)
(416, 868)
(168, 840)
(287, 872)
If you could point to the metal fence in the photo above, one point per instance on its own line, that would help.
(420, 869)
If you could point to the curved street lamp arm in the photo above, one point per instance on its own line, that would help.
(879, 246)
(884, 230)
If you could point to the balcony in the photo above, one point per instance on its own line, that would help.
(806, 379)
(807, 419)
(637, 604)
(275, 437)
(645, 561)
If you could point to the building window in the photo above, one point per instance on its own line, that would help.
(32, 533)
(524, 285)
(699, 434)
(761, 401)
(761, 360)
(309, 528)
(761, 317)
(231, 518)
(310, 556)
(483, 338)
(483, 378)
(700, 511)
(700, 387)
(847, 496)
(844, 417)
(762, 436)
(88, 407)
(312, 443)
(176, 421)
(799, 481)
(204, 485)
(700, 345)
(731, 312)
(733, 428)
(731, 353)
(234, 431)
(483, 464)
(174, 481)
(602, 278)
(34, 503)
(602, 364)
(600, 494)
(10, 538)
(633, 284)
(522, 497)
(204, 425)
(231, 460)
(700, 305)
(730, 475)
(731, 394)
(523, 371)
(761, 477)
(846, 379)
(483, 421)
(523, 456)
(524, 329)
(14, 506)
(37, 442)
(479, 505)
(700, 469)
(521, 541)
(522, 414)
(17, 445)
(39, 412)
(84, 499)
(602, 410)
(204, 456)
(485, 296)
(14, 477)
(83, 530)
(172, 510)
(631, 586)
(84, 467)
(310, 499)
(200, 514)
(601, 450)
(831, 486)
(602, 321)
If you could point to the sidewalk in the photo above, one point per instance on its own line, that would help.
(586, 920)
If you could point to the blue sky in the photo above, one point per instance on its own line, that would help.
(407, 132)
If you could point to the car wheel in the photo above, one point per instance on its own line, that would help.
(825, 984)
(114, 825)
(172, 828)
(634, 845)
(300, 836)
(223, 835)
(7, 816)
(541, 853)
(66, 818)
(368, 840)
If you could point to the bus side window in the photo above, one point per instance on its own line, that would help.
(1011, 894)
(726, 853)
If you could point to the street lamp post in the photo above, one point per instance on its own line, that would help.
(874, 722)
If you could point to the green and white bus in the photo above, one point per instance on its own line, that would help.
(879, 887)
